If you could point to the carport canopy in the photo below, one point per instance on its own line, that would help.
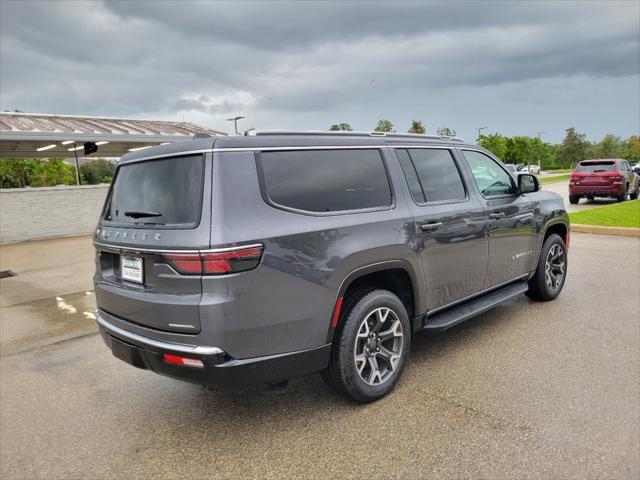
(38, 135)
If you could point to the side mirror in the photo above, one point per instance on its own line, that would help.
(528, 183)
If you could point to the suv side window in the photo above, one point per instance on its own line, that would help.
(325, 180)
(432, 175)
(492, 180)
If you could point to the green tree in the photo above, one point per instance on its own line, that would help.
(609, 147)
(541, 153)
(446, 131)
(495, 143)
(341, 127)
(573, 149)
(631, 149)
(55, 172)
(416, 127)
(18, 172)
(97, 171)
(384, 126)
(519, 150)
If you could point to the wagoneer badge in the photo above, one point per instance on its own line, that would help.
(115, 235)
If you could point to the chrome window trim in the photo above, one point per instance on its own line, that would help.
(306, 147)
(445, 146)
(163, 155)
(302, 147)
(125, 248)
(139, 339)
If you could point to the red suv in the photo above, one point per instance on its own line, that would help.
(603, 178)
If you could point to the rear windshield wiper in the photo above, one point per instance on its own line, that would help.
(140, 214)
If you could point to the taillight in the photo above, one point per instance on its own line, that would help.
(189, 264)
(223, 262)
(617, 178)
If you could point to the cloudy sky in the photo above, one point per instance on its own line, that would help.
(514, 67)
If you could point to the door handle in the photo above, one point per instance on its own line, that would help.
(496, 215)
(430, 227)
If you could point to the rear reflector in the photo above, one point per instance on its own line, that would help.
(336, 313)
(235, 260)
(186, 362)
(566, 240)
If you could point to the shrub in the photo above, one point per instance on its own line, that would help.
(97, 171)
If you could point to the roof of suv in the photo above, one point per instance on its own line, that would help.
(291, 139)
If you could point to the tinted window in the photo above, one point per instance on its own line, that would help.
(159, 192)
(492, 180)
(326, 180)
(437, 173)
(592, 167)
(412, 177)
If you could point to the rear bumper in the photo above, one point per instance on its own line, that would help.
(601, 191)
(219, 368)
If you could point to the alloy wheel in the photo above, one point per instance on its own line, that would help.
(378, 346)
(554, 270)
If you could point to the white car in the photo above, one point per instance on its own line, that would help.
(535, 169)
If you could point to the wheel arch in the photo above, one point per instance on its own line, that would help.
(397, 276)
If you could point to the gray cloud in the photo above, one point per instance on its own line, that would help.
(307, 65)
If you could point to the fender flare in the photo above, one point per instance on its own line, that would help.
(419, 292)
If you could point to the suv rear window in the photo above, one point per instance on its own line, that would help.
(325, 180)
(166, 192)
(596, 167)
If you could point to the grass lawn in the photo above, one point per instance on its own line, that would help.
(556, 178)
(625, 214)
(566, 170)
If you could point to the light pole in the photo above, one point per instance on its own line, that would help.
(235, 122)
(539, 162)
(480, 131)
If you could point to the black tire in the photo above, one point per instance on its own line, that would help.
(573, 199)
(634, 195)
(539, 288)
(622, 197)
(353, 298)
(590, 197)
(342, 375)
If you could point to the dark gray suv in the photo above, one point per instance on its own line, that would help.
(258, 258)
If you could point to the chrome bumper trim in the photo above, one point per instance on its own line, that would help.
(139, 339)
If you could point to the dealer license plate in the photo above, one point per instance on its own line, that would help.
(132, 269)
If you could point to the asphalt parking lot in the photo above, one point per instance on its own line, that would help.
(528, 390)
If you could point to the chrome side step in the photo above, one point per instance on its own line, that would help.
(455, 315)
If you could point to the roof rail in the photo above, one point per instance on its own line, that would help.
(329, 133)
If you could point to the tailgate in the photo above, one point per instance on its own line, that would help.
(140, 287)
(155, 208)
(596, 180)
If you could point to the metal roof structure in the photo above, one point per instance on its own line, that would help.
(42, 135)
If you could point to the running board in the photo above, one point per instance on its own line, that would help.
(456, 315)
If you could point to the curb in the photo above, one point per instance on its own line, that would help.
(621, 231)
